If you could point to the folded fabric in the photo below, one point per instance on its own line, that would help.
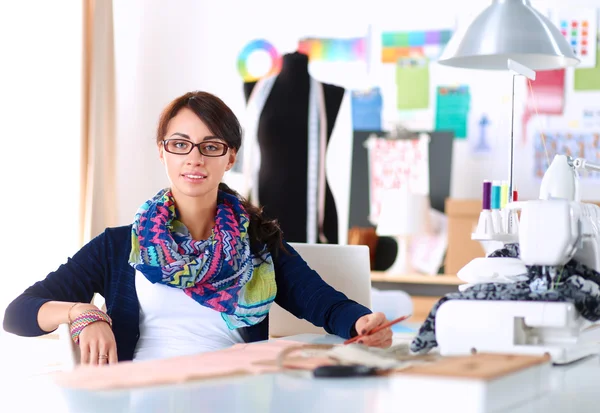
(240, 359)
(574, 282)
(497, 269)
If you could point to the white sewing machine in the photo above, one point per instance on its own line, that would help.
(551, 231)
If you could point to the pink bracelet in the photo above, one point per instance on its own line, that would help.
(85, 319)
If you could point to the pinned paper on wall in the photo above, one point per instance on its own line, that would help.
(427, 250)
(591, 118)
(394, 163)
(580, 28)
(366, 109)
(545, 96)
(334, 50)
(412, 83)
(579, 144)
(588, 79)
(258, 59)
(396, 45)
(482, 143)
(452, 109)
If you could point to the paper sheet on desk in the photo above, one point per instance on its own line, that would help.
(427, 250)
(240, 359)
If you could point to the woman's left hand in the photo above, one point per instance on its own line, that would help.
(367, 323)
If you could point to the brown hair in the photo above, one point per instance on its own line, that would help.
(222, 122)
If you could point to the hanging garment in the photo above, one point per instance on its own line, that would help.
(575, 283)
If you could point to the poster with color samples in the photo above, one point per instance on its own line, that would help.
(580, 28)
(396, 45)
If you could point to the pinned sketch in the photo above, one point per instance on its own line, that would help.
(394, 163)
(482, 144)
(577, 144)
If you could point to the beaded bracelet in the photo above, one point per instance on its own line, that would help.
(85, 319)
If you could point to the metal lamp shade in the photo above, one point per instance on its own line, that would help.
(509, 29)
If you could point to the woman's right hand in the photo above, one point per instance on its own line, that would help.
(97, 342)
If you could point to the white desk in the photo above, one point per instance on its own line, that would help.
(575, 388)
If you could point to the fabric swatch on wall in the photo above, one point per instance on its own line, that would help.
(412, 83)
(366, 109)
(452, 110)
(545, 95)
(588, 79)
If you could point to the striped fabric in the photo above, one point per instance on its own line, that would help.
(220, 273)
(85, 319)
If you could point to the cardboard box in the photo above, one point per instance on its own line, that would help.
(463, 215)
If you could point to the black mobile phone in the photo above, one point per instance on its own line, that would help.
(340, 371)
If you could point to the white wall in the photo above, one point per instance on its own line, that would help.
(40, 111)
(167, 48)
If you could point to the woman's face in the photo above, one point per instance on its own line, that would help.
(193, 174)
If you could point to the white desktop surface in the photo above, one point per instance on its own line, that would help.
(575, 388)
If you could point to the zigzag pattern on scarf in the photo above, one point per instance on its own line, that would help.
(184, 276)
(237, 255)
(214, 272)
(190, 247)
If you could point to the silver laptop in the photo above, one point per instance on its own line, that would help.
(345, 267)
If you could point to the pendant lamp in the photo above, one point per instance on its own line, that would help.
(509, 29)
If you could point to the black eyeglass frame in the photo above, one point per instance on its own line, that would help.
(198, 145)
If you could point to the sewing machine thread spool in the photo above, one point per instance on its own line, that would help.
(496, 215)
(503, 194)
(496, 195)
(485, 226)
(487, 195)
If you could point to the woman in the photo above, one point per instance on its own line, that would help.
(196, 271)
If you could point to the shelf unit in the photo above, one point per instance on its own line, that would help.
(445, 279)
(423, 301)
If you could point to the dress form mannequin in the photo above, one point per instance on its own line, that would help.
(282, 136)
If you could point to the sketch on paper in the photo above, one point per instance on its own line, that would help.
(578, 144)
(394, 163)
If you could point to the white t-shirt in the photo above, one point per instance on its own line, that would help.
(174, 324)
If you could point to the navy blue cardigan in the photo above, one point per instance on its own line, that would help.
(101, 266)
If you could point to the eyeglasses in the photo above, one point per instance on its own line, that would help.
(183, 147)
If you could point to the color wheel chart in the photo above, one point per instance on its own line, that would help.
(580, 28)
(333, 50)
(258, 59)
(397, 45)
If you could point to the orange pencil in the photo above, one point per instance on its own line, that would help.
(376, 329)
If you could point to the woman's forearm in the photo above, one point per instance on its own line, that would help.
(54, 313)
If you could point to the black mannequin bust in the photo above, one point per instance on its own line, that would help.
(283, 142)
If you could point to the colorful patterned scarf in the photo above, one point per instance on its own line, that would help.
(220, 273)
